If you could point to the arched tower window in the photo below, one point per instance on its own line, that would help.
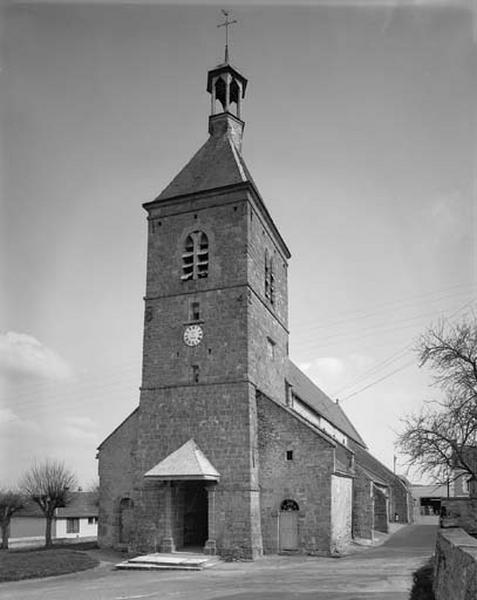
(195, 257)
(220, 92)
(269, 279)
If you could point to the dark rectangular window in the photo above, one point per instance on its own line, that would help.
(289, 454)
(195, 373)
(269, 279)
(72, 525)
(194, 311)
(271, 348)
(288, 394)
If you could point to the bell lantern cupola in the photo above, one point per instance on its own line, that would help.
(226, 86)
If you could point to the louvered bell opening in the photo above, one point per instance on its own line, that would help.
(189, 246)
(202, 269)
(187, 272)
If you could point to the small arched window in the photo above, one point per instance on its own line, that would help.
(289, 505)
(195, 256)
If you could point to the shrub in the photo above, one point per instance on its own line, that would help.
(422, 582)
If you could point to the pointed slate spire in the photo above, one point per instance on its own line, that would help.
(219, 162)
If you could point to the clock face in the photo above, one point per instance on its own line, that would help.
(193, 335)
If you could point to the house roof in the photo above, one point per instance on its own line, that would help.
(30, 509)
(187, 462)
(311, 394)
(374, 468)
(83, 504)
(373, 477)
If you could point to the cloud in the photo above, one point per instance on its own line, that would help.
(11, 423)
(24, 354)
(333, 372)
(7, 416)
(450, 214)
(79, 428)
(330, 366)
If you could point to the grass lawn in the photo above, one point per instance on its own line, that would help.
(25, 564)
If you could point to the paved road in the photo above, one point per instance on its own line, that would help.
(382, 573)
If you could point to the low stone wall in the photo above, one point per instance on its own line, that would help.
(459, 512)
(455, 567)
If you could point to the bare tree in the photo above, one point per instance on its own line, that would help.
(442, 439)
(49, 484)
(11, 501)
(93, 489)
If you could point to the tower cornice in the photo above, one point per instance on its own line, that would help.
(248, 186)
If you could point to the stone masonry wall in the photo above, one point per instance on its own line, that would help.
(455, 566)
(362, 505)
(400, 500)
(116, 470)
(381, 517)
(223, 217)
(220, 420)
(260, 242)
(306, 478)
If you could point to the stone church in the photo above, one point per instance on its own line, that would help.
(232, 448)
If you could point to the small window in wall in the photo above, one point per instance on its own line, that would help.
(270, 348)
(92, 520)
(72, 526)
(289, 454)
(269, 279)
(195, 256)
(194, 312)
(288, 394)
(195, 373)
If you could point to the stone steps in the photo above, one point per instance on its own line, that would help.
(177, 561)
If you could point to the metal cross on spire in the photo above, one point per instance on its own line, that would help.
(227, 24)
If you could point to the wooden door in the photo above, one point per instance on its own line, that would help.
(125, 520)
(288, 528)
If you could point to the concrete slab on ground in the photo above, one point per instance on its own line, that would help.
(177, 561)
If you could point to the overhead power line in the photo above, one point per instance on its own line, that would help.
(393, 358)
(386, 307)
(366, 387)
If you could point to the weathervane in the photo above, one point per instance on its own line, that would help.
(226, 24)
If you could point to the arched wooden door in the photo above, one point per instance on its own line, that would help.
(288, 525)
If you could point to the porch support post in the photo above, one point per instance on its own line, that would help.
(211, 543)
(167, 542)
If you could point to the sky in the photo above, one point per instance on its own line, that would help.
(360, 135)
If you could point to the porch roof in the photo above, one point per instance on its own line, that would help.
(186, 463)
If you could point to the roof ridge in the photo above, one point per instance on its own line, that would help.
(321, 403)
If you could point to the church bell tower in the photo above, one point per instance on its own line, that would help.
(215, 329)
